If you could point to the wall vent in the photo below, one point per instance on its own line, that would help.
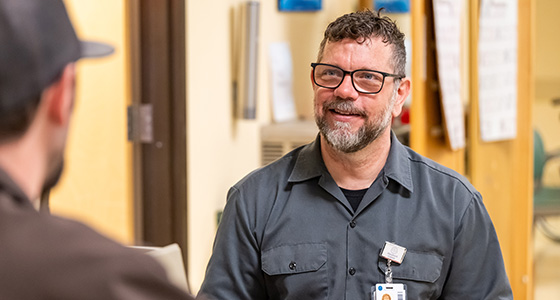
(280, 138)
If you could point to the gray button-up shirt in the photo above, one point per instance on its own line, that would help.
(288, 232)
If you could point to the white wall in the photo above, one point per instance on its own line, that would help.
(221, 149)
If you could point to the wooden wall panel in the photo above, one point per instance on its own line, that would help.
(502, 171)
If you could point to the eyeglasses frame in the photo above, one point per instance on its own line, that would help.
(351, 73)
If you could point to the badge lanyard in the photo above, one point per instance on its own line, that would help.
(393, 253)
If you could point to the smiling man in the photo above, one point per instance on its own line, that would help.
(355, 211)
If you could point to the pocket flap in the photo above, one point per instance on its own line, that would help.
(289, 259)
(418, 266)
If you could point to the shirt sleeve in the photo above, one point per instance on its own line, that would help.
(477, 268)
(234, 270)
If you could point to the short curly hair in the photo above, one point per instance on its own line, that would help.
(364, 25)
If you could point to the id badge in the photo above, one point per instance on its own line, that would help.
(388, 291)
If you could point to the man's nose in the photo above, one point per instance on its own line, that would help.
(346, 89)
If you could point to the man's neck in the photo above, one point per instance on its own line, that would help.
(19, 162)
(357, 170)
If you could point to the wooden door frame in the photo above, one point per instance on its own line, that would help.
(158, 78)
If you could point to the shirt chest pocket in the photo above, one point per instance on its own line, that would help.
(419, 271)
(296, 271)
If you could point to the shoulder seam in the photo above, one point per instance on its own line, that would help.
(460, 180)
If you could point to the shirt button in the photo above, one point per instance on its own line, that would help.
(292, 265)
(352, 271)
(353, 224)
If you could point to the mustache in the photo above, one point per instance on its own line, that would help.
(346, 106)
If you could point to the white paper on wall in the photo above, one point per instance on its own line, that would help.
(497, 69)
(447, 20)
(283, 106)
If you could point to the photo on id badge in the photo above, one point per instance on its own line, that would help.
(386, 291)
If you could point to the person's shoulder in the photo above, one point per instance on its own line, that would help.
(436, 172)
(62, 239)
(66, 258)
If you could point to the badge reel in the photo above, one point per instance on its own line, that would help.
(393, 253)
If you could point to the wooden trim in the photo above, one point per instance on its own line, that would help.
(158, 36)
(366, 4)
(155, 75)
(136, 95)
(179, 125)
(522, 249)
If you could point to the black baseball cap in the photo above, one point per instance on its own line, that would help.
(37, 40)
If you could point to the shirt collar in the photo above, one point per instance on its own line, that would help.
(397, 166)
(309, 163)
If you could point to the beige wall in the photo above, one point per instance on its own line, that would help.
(546, 116)
(548, 44)
(221, 149)
(96, 184)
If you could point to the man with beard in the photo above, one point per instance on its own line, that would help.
(43, 256)
(356, 208)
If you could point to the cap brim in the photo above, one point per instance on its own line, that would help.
(95, 49)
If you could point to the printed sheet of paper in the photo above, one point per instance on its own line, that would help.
(447, 19)
(283, 105)
(497, 69)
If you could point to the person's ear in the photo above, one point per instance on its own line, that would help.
(311, 78)
(402, 93)
(59, 96)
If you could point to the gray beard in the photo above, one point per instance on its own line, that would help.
(341, 138)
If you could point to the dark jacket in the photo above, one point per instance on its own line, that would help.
(47, 257)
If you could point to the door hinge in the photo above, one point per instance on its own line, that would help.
(140, 123)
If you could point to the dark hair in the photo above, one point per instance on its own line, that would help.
(15, 117)
(364, 25)
(14, 121)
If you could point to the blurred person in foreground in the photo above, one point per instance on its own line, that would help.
(43, 256)
(316, 223)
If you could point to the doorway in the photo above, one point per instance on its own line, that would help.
(157, 38)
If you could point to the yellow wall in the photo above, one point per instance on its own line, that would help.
(221, 150)
(96, 185)
(546, 116)
(548, 44)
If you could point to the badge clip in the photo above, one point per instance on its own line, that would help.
(392, 253)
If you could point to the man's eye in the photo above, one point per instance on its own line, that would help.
(330, 72)
(368, 76)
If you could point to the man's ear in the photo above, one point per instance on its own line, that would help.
(311, 79)
(402, 94)
(59, 96)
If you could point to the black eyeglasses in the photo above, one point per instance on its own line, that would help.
(364, 81)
